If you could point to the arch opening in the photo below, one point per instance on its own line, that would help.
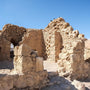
(11, 51)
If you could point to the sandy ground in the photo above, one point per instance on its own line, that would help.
(57, 82)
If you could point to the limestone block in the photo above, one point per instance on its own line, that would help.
(39, 64)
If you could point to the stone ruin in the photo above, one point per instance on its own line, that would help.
(28, 68)
(66, 47)
(57, 42)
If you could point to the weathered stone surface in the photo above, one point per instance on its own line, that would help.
(13, 33)
(35, 41)
(39, 64)
(70, 46)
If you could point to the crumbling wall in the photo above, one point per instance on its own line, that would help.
(53, 43)
(10, 34)
(72, 49)
(71, 62)
(28, 64)
(13, 33)
(35, 41)
(28, 69)
(4, 49)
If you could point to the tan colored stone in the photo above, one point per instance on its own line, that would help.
(39, 64)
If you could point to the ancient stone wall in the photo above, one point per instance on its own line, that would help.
(35, 41)
(4, 49)
(10, 34)
(28, 66)
(13, 33)
(57, 42)
(71, 49)
(53, 43)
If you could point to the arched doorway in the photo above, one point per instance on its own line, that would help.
(11, 35)
(11, 51)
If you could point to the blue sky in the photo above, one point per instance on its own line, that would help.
(38, 13)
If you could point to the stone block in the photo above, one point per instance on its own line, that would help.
(39, 64)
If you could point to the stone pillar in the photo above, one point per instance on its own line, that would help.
(25, 61)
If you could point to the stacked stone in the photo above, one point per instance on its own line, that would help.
(71, 51)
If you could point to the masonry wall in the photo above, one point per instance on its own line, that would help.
(28, 65)
(35, 41)
(71, 49)
(4, 49)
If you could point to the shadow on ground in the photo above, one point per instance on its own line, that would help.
(6, 64)
(58, 83)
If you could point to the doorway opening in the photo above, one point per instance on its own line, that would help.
(11, 51)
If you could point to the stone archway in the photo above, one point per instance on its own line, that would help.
(13, 33)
